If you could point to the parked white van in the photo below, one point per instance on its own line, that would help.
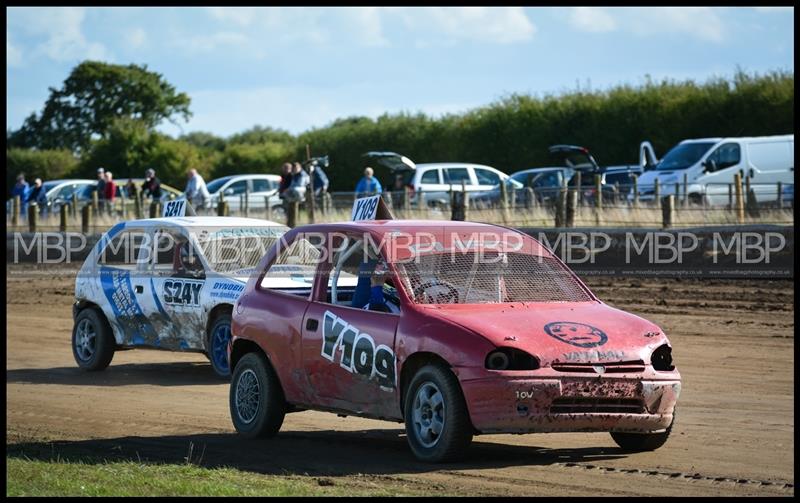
(711, 163)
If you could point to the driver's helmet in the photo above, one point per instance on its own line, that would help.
(189, 260)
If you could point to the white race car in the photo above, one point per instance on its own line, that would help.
(167, 283)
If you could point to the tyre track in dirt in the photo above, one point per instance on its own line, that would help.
(733, 435)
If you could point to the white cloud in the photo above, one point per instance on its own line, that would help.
(592, 19)
(501, 25)
(704, 23)
(13, 53)
(61, 29)
(365, 25)
(136, 38)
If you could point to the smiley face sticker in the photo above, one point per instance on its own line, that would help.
(576, 334)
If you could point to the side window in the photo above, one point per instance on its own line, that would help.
(261, 185)
(174, 255)
(456, 175)
(430, 176)
(547, 180)
(294, 268)
(726, 155)
(236, 188)
(122, 251)
(486, 177)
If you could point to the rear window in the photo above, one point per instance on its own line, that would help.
(456, 175)
(486, 277)
(430, 176)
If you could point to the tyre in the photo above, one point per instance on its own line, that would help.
(93, 343)
(256, 398)
(217, 348)
(436, 417)
(640, 442)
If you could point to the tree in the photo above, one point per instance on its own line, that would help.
(92, 97)
(130, 148)
(44, 164)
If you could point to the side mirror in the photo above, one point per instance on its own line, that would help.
(710, 166)
(229, 191)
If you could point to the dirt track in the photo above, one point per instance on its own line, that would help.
(734, 434)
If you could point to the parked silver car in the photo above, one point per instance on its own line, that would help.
(258, 187)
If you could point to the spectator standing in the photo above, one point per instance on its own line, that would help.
(297, 188)
(152, 185)
(368, 185)
(100, 188)
(21, 189)
(196, 191)
(109, 192)
(319, 177)
(38, 195)
(286, 178)
(130, 189)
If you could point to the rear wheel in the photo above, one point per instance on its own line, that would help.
(256, 399)
(436, 417)
(92, 341)
(218, 338)
(639, 442)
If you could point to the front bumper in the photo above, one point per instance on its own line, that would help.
(505, 404)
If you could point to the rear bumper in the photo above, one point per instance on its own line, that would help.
(514, 405)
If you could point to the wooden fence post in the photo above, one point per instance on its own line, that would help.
(598, 198)
(657, 194)
(292, 209)
(222, 207)
(246, 201)
(779, 199)
(63, 214)
(579, 186)
(74, 206)
(33, 216)
(686, 190)
(86, 219)
(15, 209)
(737, 182)
(95, 202)
(667, 211)
(530, 198)
(730, 197)
(572, 208)
(635, 191)
(267, 209)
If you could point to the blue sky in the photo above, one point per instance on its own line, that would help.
(296, 68)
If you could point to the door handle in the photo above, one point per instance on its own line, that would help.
(312, 324)
(138, 288)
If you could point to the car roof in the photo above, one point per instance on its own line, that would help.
(452, 165)
(541, 170)
(381, 226)
(206, 221)
(69, 180)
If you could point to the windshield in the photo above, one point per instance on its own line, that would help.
(486, 277)
(215, 185)
(239, 252)
(684, 155)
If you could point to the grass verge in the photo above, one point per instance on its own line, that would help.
(26, 477)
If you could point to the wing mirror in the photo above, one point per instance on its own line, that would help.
(710, 166)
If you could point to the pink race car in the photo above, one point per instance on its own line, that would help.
(454, 328)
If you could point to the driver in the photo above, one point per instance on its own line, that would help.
(377, 301)
(189, 263)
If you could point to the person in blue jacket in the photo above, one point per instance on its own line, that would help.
(368, 185)
(23, 190)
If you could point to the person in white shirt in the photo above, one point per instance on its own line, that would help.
(196, 191)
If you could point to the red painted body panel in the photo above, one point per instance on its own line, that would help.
(463, 335)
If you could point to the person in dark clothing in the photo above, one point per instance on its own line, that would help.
(286, 178)
(319, 177)
(151, 187)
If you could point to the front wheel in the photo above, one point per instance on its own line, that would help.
(92, 341)
(256, 398)
(436, 416)
(218, 338)
(640, 442)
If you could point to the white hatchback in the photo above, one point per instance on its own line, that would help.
(166, 283)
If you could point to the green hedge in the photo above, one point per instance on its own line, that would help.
(511, 134)
(514, 133)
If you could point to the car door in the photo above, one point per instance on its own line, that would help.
(485, 179)
(262, 189)
(348, 352)
(171, 296)
(430, 186)
(727, 160)
(234, 191)
(121, 277)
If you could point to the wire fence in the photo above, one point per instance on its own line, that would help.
(591, 205)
